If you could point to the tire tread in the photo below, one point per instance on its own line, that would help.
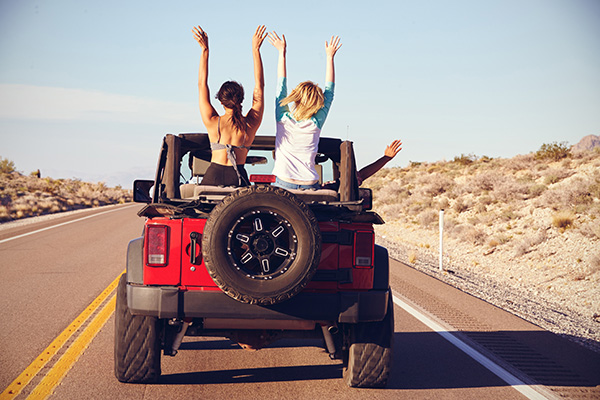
(137, 343)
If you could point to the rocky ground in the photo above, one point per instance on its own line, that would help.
(548, 300)
(522, 234)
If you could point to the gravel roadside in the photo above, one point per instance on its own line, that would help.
(521, 300)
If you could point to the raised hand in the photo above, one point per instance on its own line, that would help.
(201, 37)
(259, 37)
(333, 46)
(278, 43)
(393, 148)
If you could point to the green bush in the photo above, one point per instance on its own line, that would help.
(6, 166)
(554, 151)
(465, 159)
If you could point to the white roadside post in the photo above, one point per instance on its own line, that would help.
(441, 238)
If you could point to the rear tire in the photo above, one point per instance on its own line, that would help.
(368, 360)
(137, 342)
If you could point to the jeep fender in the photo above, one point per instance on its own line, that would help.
(135, 261)
(381, 278)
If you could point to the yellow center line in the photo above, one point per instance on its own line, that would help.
(40, 361)
(64, 364)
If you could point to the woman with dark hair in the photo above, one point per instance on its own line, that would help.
(232, 133)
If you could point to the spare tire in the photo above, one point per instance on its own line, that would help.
(261, 245)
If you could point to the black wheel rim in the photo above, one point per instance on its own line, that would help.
(262, 245)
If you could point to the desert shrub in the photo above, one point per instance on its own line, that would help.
(486, 200)
(465, 159)
(392, 211)
(536, 190)
(487, 181)
(6, 166)
(480, 207)
(503, 238)
(461, 205)
(555, 175)
(470, 234)
(551, 198)
(418, 204)
(428, 218)
(529, 242)
(563, 219)
(526, 177)
(507, 214)
(436, 184)
(394, 192)
(554, 151)
(522, 162)
(576, 193)
(510, 189)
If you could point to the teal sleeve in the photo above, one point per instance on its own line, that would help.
(281, 94)
(321, 115)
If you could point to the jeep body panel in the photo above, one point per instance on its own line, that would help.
(254, 264)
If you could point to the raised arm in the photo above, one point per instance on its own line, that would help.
(390, 152)
(281, 46)
(331, 48)
(206, 109)
(258, 98)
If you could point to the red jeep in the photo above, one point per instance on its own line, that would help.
(254, 264)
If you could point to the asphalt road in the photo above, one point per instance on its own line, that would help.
(51, 271)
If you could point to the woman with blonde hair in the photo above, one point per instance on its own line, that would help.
(232, 133)
(298, 130)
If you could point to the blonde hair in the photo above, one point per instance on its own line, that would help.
(308, 98)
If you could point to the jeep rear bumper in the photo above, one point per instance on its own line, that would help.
(343, 307)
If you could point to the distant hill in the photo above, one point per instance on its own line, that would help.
(23, 196)
(589, 142)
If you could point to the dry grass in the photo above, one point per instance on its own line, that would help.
(530, 223)
(509, 203)
(27, 196)
(563, 220)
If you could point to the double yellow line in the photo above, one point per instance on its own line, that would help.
(46, 386)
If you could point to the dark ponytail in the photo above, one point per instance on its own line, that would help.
(231, 95)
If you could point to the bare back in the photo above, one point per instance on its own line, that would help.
(222, 131)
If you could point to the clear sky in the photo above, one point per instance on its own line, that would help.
(89, 88)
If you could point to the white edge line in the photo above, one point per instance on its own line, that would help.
(62, 224)
(494, 368)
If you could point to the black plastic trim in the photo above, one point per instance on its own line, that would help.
(343, 307)
(135, 261)
(342, 275)
(343, 237)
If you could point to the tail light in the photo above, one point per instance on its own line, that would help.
(260, 178)
(156, 245)
(364, 247)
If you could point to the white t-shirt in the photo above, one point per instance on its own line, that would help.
(296, 142)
